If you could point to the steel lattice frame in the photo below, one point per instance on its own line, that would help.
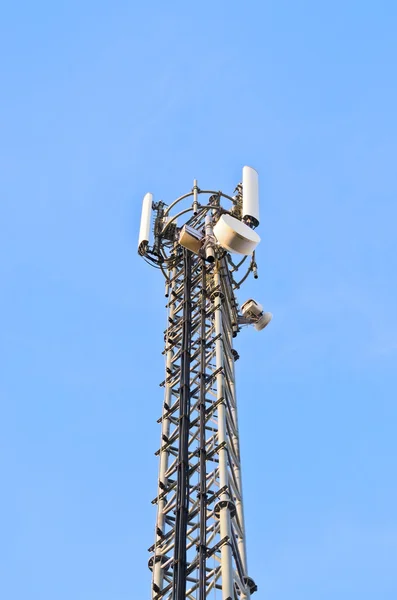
(200, 547)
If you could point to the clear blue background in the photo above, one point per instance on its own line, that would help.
(101, 102)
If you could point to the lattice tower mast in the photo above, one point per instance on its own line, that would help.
(200, 546)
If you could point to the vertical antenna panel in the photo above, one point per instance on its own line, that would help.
(250, 196)
(144, 230)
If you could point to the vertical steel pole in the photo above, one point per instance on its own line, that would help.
(164, 454)
(224, 517)
(237, 476)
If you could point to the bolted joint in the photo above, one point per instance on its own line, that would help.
(216, 293)
(251, 585)
(171, 337)
(158, 558)
(202, 547)
(235, 329)
(235, 354)
(229, 504)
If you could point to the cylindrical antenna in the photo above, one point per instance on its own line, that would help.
(144, 230)
(195, 201)
(209, 249)
(250, 197)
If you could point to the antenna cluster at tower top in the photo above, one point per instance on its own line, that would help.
(208, 229)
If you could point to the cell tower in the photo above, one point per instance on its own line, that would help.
(200, 547)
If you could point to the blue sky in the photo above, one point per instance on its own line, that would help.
(102, 102)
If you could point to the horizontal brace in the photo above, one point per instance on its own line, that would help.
(217, 494)
(217, 546)
(208, 380)
(167, 447)
(168, 442)
(213, 375)
(214, 339)
(164, 494)
(216, 450)
(209, 500)
(211, 409)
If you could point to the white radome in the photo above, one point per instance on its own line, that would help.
(235, 236)
(263, 321)
(250, 194)
(146, 216)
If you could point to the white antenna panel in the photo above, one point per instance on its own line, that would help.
(235, 236)
(250, 196)
(144, 230)
(263, 321)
